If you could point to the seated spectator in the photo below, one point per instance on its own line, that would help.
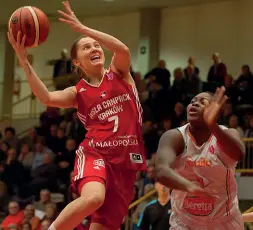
(152, 159)
(26, 226)
(76, 129)
(150, 177)
(166, 125)
(60, 141)
(147, 114)
(249, 149)
(226, 113)
(4, 199)
(16, 216)
(45, 224)
(65, 161)
(30, 139)
(14, 173)
(13, 227)
(51, 138)
(47, 118)
(138, 80)
(29, 216)
(10, 137)
(3, 151)
(231, 90)
(139, 182)
(150, 137)
(40, 151)
(45, 198)
(193, 83)
(178, 88)
(26, 157)
(249, 131)
(233, 123)
(244, 84)
(43, 176)
(50, 212)
(141, 206)
(159, 101)
(178, 114)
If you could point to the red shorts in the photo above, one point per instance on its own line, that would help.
(119, 182)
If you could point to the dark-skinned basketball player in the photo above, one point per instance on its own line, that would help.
(205, 155)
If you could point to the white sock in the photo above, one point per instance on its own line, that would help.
(52, 227)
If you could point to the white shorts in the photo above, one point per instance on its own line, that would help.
(234, 222)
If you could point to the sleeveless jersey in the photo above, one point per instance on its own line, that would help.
(211, 169)
(112, 115)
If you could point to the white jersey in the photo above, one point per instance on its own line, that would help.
(214, 171)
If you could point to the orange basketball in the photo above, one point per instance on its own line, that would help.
(32, 22)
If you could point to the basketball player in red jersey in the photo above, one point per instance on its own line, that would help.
(108, 106)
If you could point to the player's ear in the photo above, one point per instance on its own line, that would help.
(76, 63)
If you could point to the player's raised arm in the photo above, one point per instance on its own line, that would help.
(170, 146)
(121, 59)
(61, 99)
(229, 139)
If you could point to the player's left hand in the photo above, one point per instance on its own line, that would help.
(211, 112)
(68, 17)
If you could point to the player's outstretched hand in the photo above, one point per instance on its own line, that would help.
(18, 46)
(195, 190)
(68, 17)
(211, 112)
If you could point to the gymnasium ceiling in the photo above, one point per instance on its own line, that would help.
(89, 8)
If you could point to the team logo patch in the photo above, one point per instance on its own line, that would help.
(82, 90)
(99, 163)
(102, 95)
(136, 158)
(110, 76)
(199, 206)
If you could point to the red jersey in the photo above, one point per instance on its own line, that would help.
(112, 115)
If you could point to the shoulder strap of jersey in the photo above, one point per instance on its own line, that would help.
(79, 85)
(110, 71)
(223, 127)
(183, 130)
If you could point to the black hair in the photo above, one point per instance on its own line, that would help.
(210, 93)
(10, 129)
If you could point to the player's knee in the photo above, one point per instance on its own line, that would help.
(96, 199)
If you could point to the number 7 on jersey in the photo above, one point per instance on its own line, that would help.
(116, 122)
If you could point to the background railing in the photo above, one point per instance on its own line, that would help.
(26, 105)
(29, 106)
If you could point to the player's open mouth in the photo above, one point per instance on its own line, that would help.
(95, 57)
(193, 111)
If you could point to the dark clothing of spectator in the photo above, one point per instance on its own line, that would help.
(162, 75)
(155, 216)
(217, 73)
